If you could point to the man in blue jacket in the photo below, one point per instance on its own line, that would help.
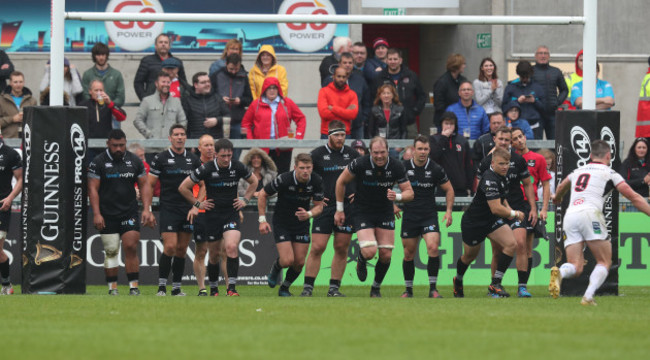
(471, 116)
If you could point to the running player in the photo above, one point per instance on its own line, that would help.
(517, 174)
(329, 161)
(584, 223)
(206, 149)
(485, 218)
(111, 178)
(295, 189)
(10, 168)
(420, 218)
(372, 211)
(221, 177)
(171, 167)
(539, 174)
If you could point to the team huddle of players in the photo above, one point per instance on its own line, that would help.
(346, 193)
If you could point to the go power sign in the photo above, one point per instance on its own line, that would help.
(134, 35)
(305, 37)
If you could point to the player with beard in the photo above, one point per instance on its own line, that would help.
(329, 161)
(222, 222)
(420, 218)
(172, 166)
(485, 218)
(539, 174)
(295, 189)
(518, 199)
(373, 215)
(111, 178)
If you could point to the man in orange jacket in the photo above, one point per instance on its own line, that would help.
(337, 101)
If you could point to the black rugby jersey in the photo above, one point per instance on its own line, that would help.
(9, 161)
(491, 186)
(424, 180)
(221, 183)
(329, 164)
(517, 172)
(171, 169)
(292, 194)
(373, 182)
(117, 179)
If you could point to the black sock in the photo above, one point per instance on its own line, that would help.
(360, 258)
(408, 267)
(291, 276)
(380, 271)
(461, 268)
(164, 266)
(335, 284)
(433, 267)
(178, 267)
(4, 272)
(232, 266)
(213, 272)
(110, 279)
(530, 267)
(502, 266)
(522, 276)
(309, 282)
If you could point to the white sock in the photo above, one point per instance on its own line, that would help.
(596, 279)
(567, 270)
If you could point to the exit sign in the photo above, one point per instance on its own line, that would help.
(484, 41)
(395, 11)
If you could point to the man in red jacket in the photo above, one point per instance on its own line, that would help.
(337, 101)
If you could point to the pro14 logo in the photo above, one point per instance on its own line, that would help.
(306, 37)
(581, 144)
(132, 35)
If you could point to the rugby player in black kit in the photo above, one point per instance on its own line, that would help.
(329, 161)
(111, 179)
(485, 218)
(295, 189)
(221, 177)
(372, 210)
(172, 166)
(518, 174)
(420, 218)
(10, 168)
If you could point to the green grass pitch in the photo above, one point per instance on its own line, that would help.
(261, 325)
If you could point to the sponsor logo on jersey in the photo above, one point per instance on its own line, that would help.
(369, 172)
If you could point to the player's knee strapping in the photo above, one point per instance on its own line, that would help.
(365, 244)
(112, 249)
(386, 246)
(3, 235)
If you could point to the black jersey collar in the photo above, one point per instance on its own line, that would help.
(295, 180)
(425, 165)
(172, 153)
(327, 146)
(372, 163)
(216, 165)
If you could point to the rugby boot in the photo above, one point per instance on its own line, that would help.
(374, 292)
(284, 292)
(306, 292)
(272, 277)
(435, 294)
(134, 291)
(232, 292)
(203, 292)
(496, 290)
(458, 288)
(523, 292)
(556, 282)
(113, 292)
(407, 294)
(587, 302)
(178, 292)
(332, 292)
(7, 290)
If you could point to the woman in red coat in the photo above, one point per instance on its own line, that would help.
(270, 117)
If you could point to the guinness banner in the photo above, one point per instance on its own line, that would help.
(54, 200)
(575, 132)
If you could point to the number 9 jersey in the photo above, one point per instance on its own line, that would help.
(590, 184)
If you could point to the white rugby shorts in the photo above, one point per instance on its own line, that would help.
(584, 225)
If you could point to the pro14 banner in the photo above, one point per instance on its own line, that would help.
(54, 204)
(575, 132)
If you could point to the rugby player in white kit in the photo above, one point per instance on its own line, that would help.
(584, 221)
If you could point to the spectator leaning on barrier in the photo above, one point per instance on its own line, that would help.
(488, 89)
(340, 45)
(471, 116)
(529, 95)
(204, 109)
(451, 150)
(445, 89)
(14, 99)
(6, 68)
(604, 94)
(270, 117)
(635, 169)
(150, 65)
(158, 112)
(554, 86)
(337, 101)
(233, 46)
(266, 65)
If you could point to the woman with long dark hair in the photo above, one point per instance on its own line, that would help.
(635, 169)
(386, 116)
(488, 89)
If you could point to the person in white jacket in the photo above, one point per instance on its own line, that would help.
(71, 81)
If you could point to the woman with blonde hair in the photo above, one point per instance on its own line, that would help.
(266, 65)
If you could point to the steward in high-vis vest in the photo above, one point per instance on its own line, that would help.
(643, 111)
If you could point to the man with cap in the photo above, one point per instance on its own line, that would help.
(150, 66)
(178, 86)
(360, 147)
(378, 63)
